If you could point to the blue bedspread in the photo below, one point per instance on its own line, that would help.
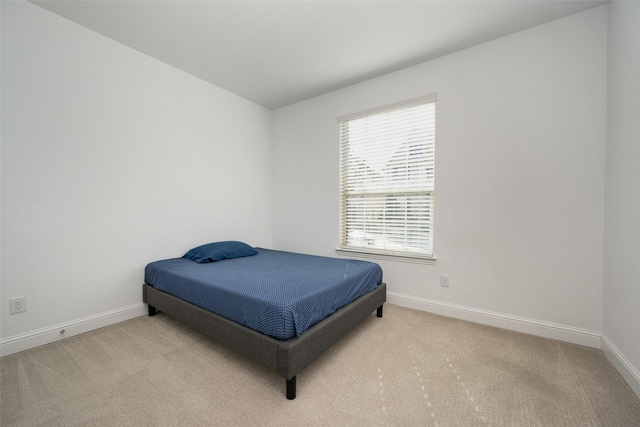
(280, 294)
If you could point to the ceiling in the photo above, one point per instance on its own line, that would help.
(276, 53)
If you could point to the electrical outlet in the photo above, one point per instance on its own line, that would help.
(444, 281)
(17, 305)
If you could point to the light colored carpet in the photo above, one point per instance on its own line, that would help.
(409, 368)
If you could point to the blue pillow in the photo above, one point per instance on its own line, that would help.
(219, 250)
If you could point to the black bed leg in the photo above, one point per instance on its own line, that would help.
(379, 312)
(152, 311)
(291, 388)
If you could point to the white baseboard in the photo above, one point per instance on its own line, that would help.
(514, 323)
(629, 372)
(51, 334)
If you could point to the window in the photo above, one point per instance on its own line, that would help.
(387, 179)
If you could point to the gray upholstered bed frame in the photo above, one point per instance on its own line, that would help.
(287, 358)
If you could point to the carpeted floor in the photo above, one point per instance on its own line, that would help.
(409, 368)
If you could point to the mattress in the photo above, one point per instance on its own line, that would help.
(280, 294)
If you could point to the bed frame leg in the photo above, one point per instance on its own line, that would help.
(152, 311)
(379, 312)
(291, 388)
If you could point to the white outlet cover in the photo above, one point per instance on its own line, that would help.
(17, 305)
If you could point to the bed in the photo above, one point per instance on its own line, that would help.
(280, 309)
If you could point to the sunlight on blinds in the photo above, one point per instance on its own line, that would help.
(387, 179)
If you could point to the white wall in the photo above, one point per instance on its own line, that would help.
(519, 178)
(110, 160)
(621, 334)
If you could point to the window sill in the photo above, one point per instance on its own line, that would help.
(416, 259)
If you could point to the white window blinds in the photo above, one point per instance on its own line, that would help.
(387, 179)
